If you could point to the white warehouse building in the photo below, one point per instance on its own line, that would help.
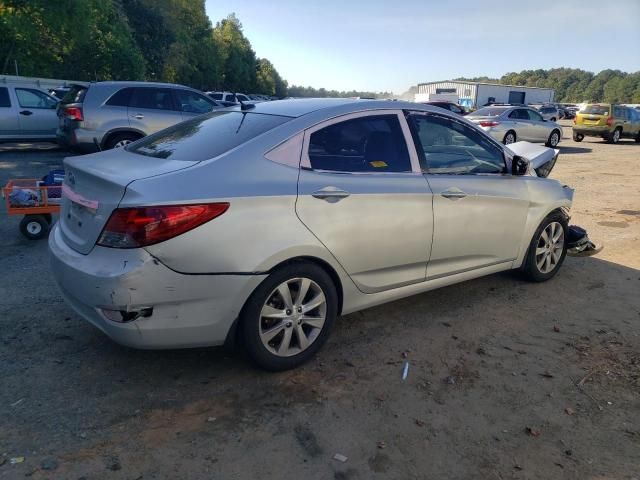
(477, 94)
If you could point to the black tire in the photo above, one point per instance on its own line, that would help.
(578, 137)
(551, 141)
(118, 140)
(507, 140)
(530, 270)
(250, 320)
(34, 227)
(638, 138)
(614, 137)
(553, 119)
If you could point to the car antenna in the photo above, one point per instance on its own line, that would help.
(243, 105)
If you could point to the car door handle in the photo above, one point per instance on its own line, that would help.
(139, 116)
(453, 194)
(330, 194)
(26, 112)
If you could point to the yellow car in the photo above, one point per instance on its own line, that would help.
(611, 122)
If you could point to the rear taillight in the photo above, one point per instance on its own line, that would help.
(489, 123)
(73, 113)
(142, 226)
(609, 121)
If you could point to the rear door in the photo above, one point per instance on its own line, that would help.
(523, 128)
(152, 109)
(479, 210)
(9, 124)
(360, 192)
(36, 113)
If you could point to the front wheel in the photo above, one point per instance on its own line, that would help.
(287, 319)
(547, 249)
(509, 138)
(554, 139)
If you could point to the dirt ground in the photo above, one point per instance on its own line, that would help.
(507, 380)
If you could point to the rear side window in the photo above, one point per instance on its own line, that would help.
(216, 96)
(618, 112)
(152, 98)
(4, 97)
(121, 98)
(75, 94)
(366, 144)
(206, 136)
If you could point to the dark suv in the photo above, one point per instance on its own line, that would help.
(106, 115)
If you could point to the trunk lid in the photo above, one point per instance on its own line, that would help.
(93, 187)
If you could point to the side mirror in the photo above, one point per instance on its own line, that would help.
(519, 165)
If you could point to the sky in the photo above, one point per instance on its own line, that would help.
(384, 45)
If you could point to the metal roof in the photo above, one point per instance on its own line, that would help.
(465, 82)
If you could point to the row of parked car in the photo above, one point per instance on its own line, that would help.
(103, 115)
(511, 123)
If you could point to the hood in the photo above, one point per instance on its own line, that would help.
(541, 159)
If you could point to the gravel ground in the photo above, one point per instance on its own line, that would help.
(507, 379)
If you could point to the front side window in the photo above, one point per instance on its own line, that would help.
(193, 102)
(372, 143)
(30, 98)
(618, 112)
(449, 147)
(152, 98)
(535, 116)
(4, 97)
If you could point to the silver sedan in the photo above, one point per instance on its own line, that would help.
(509, 124)
(263, 223)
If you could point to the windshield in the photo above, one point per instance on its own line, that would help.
(488, 112)
(75, 94)
(206, 136)
(596, 109)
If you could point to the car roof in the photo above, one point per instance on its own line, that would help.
(339, 106)
(138, 84)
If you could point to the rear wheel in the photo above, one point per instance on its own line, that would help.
(554, 139)
(547, 249)
(287, 319)
(120, 140)
(578, 137)
(34, 227)
(509, 138)
(615, 136)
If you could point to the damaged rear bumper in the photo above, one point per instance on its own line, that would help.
(141, 303)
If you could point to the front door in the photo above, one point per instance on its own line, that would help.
(479, 210)
(36, 113)
(361, 193)
(539, 128)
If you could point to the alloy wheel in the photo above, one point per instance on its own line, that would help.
(292, 317)
(509, 139)
(616, 135)
(549, 248)
(122, 143)
(554, 139)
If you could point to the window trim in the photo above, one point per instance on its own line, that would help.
(27, 89)
(465, 125)
(305, 161)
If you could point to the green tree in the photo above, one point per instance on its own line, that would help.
(237, 57)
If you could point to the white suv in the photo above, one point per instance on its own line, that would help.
(228, 97)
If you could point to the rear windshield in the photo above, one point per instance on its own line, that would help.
(75, 94)
(596, 109)
(488, 112)
(206, 136)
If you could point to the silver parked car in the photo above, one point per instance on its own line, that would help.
(509, 124)
(27, 113)
(105, 115)
(550, 113)
(263, 223)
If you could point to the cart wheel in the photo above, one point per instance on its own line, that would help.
(34, 227)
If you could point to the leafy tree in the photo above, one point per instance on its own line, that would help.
(236, 55)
